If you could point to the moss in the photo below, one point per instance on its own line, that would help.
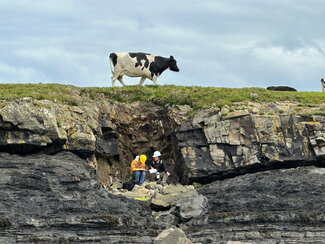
(222, 215)
(4, 222)
(34, 239)
(109, 220)
(308, 217)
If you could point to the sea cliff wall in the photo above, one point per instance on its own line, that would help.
(203, 147)
(245, 158)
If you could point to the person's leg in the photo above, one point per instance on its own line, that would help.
(142, 177)
(152, 176)
(136, 176)
(164, 177)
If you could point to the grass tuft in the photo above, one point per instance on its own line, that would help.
(194, 96)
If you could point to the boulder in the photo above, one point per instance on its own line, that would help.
(193, 207)
(170, 195)
(172, 236)
(281, 88)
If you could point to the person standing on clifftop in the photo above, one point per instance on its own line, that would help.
(158, 169)
(138, 169)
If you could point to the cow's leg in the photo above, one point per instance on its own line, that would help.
(141, 81)
(154, 80)
(114, 78)
(113, 81)
(120, 78)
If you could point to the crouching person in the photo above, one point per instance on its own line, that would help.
(158, 170)
(138, 169)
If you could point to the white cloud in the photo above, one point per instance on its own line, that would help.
(216, 43)
(9, 74)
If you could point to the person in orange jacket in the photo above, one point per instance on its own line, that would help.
(138, 169)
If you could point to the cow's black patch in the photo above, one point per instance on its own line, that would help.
(140, 57)
(160, 64)
(173, 64)
(113, 57)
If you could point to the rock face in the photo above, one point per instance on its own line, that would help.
(49, 192)
(57, 199)
(214, 146)
(202, 148)
(285, 205)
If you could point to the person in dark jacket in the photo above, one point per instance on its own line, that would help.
(158, 170)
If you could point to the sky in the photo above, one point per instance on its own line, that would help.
(217, 43)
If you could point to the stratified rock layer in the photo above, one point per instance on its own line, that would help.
(276, 206)
(51, 194)
(217, 146)
(57, 198)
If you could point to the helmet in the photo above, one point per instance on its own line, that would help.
(156, 154)
(143, 158)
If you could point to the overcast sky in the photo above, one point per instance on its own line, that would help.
(219, 43)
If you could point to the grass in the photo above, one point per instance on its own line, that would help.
(194, 96)
(52, 92)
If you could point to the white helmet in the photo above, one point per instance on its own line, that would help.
(156, 154)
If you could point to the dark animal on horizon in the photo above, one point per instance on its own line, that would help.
(322, 81)
(281, 88)
(146, 66)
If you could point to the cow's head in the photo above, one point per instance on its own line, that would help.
(173, 64)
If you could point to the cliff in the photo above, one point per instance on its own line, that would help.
(259, 164)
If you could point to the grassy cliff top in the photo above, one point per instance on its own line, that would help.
(194, 96)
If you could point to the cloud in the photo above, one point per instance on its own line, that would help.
(216, 43)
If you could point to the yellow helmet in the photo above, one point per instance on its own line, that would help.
(143, 158)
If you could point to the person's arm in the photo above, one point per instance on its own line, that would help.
(151, 165)
(164, 168)
(132, 168)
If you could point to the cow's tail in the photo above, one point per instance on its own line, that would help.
(112, 61)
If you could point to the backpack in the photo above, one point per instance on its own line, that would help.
(128, 185)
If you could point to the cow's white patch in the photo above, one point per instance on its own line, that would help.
(127, 66)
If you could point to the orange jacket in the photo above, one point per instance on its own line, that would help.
(137, 165)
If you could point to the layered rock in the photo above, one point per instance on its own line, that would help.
(217, 146)
(49, 193)
(29, 126)
(276, 206)
(57, 199)
(209, 144)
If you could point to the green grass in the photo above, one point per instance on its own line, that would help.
(52, 92)
(202, 97)
(194, 96)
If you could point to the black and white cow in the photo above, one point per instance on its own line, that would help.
(139, 65)
(322, 81)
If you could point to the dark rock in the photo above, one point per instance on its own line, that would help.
(56, 197)
(223, 148)
(281, 88)
(60, 197)
(264, 207)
